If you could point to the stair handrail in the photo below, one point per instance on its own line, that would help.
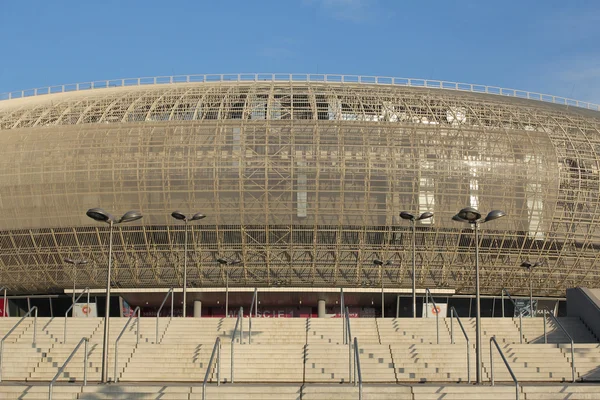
(349, 337)
(519, 309)
(137, 341)
(170, 292)
(437, 312)
(357, 370)
(342, 316)
(5, 313)
(453, 312)
(545, 332)
(87, 289)
(61, 369)
(254, 307)
(34, 308)
(238, 322)
(512, 374)
(217, 349)
(572, 344)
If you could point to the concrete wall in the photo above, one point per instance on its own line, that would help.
(585, 304)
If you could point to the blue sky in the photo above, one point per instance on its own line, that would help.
(544, 46)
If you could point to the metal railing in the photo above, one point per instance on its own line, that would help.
(61, 369)
(239, 322)
(570, 338)
(343, 316)
(437, 312)
(5, 314)
(519, 311)
(349, 343)
(452, 314)
(512, 374)
(253, 306)
(301, 77)
(137, 340)
(32, 309)
(86, 290)
(357, 370)
(170, 292)
(217, 349)
(545, 330)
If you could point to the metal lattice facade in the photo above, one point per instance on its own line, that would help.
(302, 181)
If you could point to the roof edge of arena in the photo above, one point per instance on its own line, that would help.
(299, 78)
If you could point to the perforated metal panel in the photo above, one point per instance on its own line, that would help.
(302, 181)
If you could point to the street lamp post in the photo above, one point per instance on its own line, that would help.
(381, 265)
(99, 214)
(224, 262)
(182, 217)
(530, 266)
(413, 220)
(75, 263)
(473, 217)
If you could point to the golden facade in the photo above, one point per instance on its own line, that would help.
(302, 181)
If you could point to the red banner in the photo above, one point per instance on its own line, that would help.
(2, 308)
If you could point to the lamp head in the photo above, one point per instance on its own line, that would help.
(530, 265)
(407, 215)
(130, 216)
(377, 262)
(178, 215)
(99, 214)
(426, 215)
(197, 216)
(75, 262)
(469, 214)
(222, 261)
(494, 214)
(526, 264)
(458, 219)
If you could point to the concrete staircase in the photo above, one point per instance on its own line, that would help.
(527, 391)
(464, 392)
(562, 392)
(587, 360)
(275, 331)
(529, 362)
(183, 352)
(533, 330)
(350, 392)
(21, 356)
(295, 350)
(506, 330)
(411, 330)
(59, 352)
(38, 391)
(424, 362)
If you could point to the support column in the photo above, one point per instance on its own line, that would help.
(197, 309)
(321, 309)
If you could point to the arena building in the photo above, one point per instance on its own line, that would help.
(302, 179)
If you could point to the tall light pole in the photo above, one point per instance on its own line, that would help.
(381, 265)
(413, 220)
(473, 217)
(530, 266)
(182, 217)
(224, 262)
(75, 264)
(99, 214)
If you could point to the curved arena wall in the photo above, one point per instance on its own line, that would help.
(302, 181)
